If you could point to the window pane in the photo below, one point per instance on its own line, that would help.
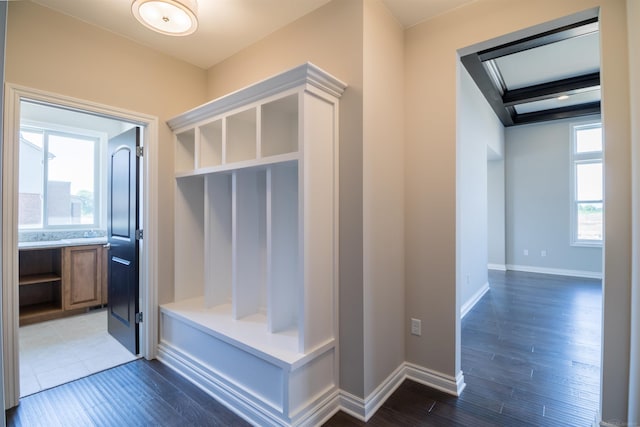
(70, 180)
(589, 181)
(589, 221)
(588, 140)
(30, 187)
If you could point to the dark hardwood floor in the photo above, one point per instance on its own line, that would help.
(530, 357)
(139, 393)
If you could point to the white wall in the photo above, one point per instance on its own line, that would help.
(538, 200)
(478, 128)
(496, 212)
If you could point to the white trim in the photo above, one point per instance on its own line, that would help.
(352, 405)
(471, 302)
(364, 409)
(207, 380)
(148, 260)
(556, 271)
(385, 389)
(233, 395)
(237, 398)
(306, 73)
(498, 267)
(437, 380)
(583, 158)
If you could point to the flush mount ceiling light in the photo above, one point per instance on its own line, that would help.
(171, 17)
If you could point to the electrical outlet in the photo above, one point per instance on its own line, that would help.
(525, 252)
(543, 253)
(416, 327)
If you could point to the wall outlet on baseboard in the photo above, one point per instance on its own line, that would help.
(416, 327)
(543, 253)
(525, 252)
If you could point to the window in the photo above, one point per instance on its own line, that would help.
(58, 184)
(587, 185)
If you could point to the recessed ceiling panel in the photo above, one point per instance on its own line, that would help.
(553, 103)
(567, 58)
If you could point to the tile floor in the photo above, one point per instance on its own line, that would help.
(63, 350)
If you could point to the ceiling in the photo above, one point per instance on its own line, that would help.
(548, 76)
(225, 26)
(521, 80)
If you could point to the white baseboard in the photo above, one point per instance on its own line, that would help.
(352, 405)
(362, 409)
(198, 375)
(229, 394)
(499, 267)
(555, 271)
(378, 396)
(437, 380)
(467, 306)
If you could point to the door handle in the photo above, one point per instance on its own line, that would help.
(107, 246)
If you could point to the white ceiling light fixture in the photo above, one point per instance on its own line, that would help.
(170, 17)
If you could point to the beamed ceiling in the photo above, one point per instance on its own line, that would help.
(549, 76)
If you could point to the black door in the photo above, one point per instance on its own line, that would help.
(122, 224)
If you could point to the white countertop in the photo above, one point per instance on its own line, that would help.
(63, 242)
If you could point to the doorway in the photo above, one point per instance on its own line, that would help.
(63, 242)
(92, 222)
(523, 335)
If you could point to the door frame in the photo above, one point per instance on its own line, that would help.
(148, 217)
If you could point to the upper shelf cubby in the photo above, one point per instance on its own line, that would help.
(254, 126)
(279, 126)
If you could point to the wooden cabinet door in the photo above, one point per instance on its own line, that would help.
(82, 277)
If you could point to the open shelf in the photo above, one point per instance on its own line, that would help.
(279, 126)
(218, 249)
(185, 150)
(33, 311)
(211, 144)
(241, 140)
(38, 278)
(254, 311)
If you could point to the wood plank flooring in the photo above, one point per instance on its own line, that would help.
(530, 357)
(140, 393)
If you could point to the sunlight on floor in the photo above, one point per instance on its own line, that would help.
(63, 350)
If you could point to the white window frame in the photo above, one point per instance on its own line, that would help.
(99, 182)
(577, 159)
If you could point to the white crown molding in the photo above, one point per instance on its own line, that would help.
(303, 74)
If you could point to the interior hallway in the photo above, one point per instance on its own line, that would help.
(530, 357)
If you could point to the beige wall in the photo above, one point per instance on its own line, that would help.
(383, 195)
(355, 40)
(55, 53)
(633, 17)
(331, 38)
(430, 176)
